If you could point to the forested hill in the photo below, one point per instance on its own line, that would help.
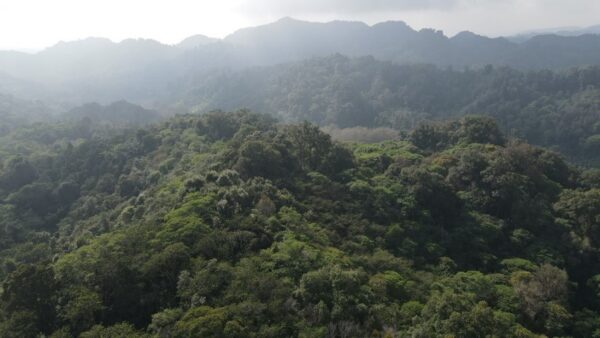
(291, 40)
(140, 70)
(15, 112)
(557, 110)
(560, 110)
(23, 116)
(234, 225)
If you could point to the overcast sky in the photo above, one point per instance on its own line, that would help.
(34, 24)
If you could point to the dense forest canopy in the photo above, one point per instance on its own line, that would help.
(560, 110)
(231, 224)
(541, 88)
(396, 183)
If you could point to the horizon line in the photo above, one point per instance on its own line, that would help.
(34, 50)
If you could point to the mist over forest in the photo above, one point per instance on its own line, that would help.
(303, 179)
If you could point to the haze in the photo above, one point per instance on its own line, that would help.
(35, 24)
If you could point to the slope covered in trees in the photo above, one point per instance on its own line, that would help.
(16, 112)
(292, 40)
(118, 114)
(230, 224)
(142, 71)
(20, 114)
(558, 110)
(553, 109)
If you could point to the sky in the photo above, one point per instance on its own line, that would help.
(35, 24)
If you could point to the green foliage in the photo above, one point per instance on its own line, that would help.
(17, 173)
(28, 295)
(115, 331)
(554, 109)
(230, 225)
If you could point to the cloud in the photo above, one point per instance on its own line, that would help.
(302, 7)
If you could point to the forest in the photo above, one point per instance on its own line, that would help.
(234, 224)
(301, 179)
(558, 110)
(555, 109)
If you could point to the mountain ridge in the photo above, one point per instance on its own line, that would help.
(98, 69)
(204, 39)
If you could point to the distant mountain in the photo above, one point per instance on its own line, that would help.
(84, 59)
(560, 110)
(93, 69)
(120, 113)
(146, 71)
(196, 41)
(563, 31)
(19, 87)
(15, 112)
(589, 30)
(292, 40)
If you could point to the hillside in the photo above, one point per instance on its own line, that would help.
(292, 40)
(231, 224)
(15, 112)
(143, 71)
(565, 31)
(559, 110)
(118, 114)
(196, 41)
(18, 115)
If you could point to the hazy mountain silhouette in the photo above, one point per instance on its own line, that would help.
(119, 113)
(291, 40)
(142, 71)
(563, 31)
(196, 41)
